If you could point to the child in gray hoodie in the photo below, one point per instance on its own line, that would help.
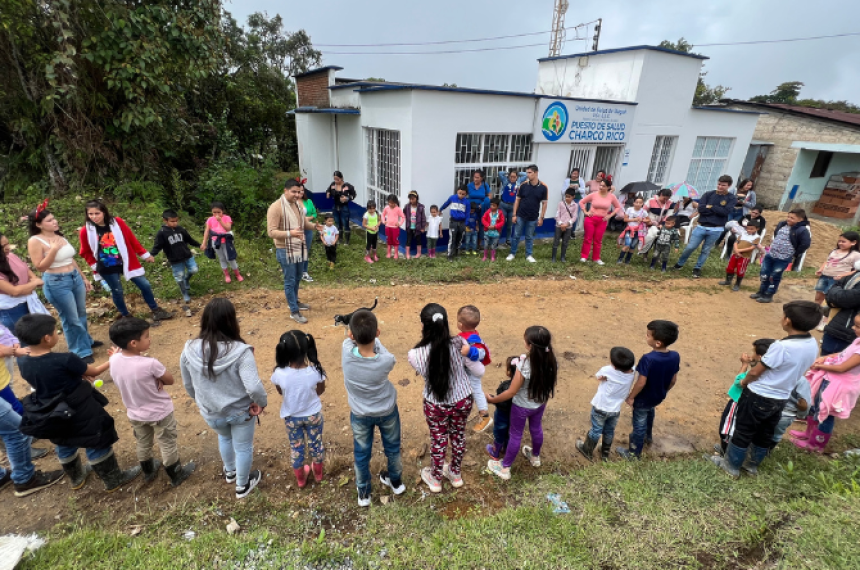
(219, 372)
(372, 402)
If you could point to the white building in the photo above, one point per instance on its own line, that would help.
(626, 111)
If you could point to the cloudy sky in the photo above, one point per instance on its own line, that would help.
(827, 67)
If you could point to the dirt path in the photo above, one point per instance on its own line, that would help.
(586, 318)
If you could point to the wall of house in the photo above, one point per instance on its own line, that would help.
(782, 129)
(345, 98)
(613, 76)
(312, 90)
(810, 189)
(316, 149)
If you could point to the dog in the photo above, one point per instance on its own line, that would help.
(344, 319)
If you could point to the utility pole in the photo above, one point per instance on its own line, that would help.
(556, 43)
(597, 34)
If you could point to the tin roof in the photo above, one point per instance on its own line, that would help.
(852, 119)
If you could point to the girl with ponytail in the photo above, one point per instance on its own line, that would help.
(532, 387)
(300, 379)
(447, 394)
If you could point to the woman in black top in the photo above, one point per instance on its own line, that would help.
(341, 193)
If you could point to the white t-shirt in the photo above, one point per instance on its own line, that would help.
(434, 223)
(329, 234)
(786, 360)
(640, 215)
(300, 391)
(612, 392)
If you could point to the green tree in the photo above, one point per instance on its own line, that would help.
(705, 94)
(786, 93)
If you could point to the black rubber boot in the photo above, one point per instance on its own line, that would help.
(553, 254)
(111, 475)
(586, 448)
(737, 286)
(605, 448)
(76, 472)
(179, 473)
(727, 280)
(150, 469)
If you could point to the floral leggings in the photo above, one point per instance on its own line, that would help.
(297, 428)
(447, 423)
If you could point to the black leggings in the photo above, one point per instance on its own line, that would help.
(371, 241)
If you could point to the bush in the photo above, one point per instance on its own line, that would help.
(246, 191)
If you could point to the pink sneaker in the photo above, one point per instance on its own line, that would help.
(367, 259)
(375, 257)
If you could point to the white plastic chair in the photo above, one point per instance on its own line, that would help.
(803, 257)
(688, 230)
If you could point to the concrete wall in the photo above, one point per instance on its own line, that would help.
(782, 129)
(316, 149)
(810, 189)
(312, 90)
(613, 76)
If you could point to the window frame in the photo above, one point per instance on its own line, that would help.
(518, 153)
(715, 165)
(380, 184)
(659, 153)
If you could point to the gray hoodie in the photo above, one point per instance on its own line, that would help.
(368, 389)
(233, 388)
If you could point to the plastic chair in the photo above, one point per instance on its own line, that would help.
(803, 257)
(688, 231)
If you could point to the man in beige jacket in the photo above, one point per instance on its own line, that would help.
(286, 224)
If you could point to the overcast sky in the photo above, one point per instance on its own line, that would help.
(827, 67)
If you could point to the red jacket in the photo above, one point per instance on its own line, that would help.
(125, 239)
(500, 221)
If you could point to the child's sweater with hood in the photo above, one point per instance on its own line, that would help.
(235, 385)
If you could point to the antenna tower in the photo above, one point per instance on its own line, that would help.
(556, 43)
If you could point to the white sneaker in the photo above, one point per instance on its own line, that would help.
(456, 480)
(510, 257)
(534, 460)
(583, 260)
(531, 259)
(364, 501)
(386, 480)
(306, 277)
(599, 262)
(427, 476)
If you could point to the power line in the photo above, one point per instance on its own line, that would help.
(452, 41)
(439, 51)
(780, 41)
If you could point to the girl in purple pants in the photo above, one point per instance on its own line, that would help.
(532, 386)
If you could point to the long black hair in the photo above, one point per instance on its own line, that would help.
(296, 348)
(851, 236)
(218, 324)
(544, 366)
(5, 268)
(436, 334)
(99, 205)
(37, 217)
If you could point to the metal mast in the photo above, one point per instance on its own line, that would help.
(556, 43)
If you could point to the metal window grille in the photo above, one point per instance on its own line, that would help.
(708, 163)
(661, 156)
(580, 158)
(383, 164)
(492, 153)
(607, 158)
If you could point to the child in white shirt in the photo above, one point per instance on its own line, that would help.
(329, 236)
(434, 229)
(614, 387)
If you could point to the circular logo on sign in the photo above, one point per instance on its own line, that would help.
(554, 121)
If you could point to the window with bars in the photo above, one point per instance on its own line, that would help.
(710, 156)
(661, 158)
(383, 165)
(492, 153)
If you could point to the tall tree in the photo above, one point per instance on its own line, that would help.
(786, 93)
(705, 94)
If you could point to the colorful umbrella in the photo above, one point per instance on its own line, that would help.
(683, 190)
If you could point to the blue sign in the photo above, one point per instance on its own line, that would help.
(554, 121)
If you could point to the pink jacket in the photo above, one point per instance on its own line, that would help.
(841, 394)
(393, 217)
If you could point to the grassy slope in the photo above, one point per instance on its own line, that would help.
(257, 260)
(802, 512)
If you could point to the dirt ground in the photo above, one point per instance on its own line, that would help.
(586, 319)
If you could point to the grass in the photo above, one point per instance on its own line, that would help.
(257, 260)
(801, 512)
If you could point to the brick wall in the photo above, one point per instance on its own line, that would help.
(782, 129)
(313, 90)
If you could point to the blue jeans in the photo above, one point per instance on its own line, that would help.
(362, 442)
(8, 395)
(114, 281)
(309, 239)
(603, 423)
(508, 209)
(66, 292)
(236, 444)
(292, 278)
(10, 317)
(470, 243)
(341, 219)
(501, 429)
(527, 229)
(17, 445)
(827, 425)
(706, 237)
(832, 345)
(643, 426)
(183, 271)
(93, 454)
(771, 274)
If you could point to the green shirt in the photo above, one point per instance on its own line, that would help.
(310, 209)
(372, 220)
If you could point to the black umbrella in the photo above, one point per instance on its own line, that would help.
(644, 188)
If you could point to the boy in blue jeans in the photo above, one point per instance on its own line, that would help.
(470, 244)
(658, 372)
(372, 402)
(174, 240)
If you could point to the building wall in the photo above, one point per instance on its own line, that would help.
(392, 110)
(346, 98)
(782, 129)
(810, 189)
(613, 76)
(316, 149)
(312, 90)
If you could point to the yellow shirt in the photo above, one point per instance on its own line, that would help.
(5, 377)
